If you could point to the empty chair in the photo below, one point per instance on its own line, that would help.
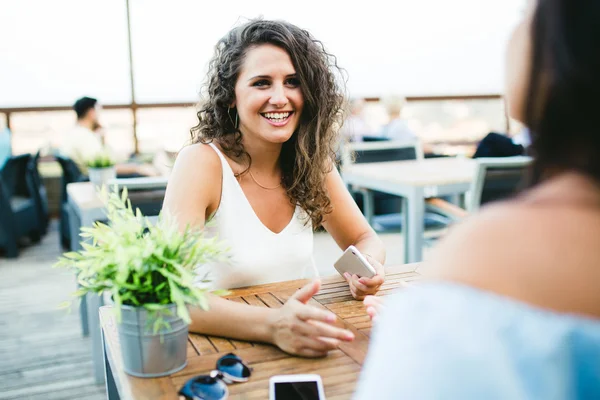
(19, 215)
(496, 178)
(41, 197)
(71, 174)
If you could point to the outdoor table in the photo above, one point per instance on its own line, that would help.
(414, 181)
(339, 369)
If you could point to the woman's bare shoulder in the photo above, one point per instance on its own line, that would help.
(520, 228)
(523, 250)
(198, 155)
(195, 178)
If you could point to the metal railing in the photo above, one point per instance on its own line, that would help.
(7, 111)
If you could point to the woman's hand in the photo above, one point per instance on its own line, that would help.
(305, 330)
(374, 306)
(362, 287)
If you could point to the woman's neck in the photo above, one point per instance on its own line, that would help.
(265, 156)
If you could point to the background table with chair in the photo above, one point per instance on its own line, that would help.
(383, 210)
(418, 180)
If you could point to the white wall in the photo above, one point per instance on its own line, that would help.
(52, 52)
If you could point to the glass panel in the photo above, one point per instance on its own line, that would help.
(118, 128)
(48, 129)
(449, 126)
(39, 130)
(164, 128)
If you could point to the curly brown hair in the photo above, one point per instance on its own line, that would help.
(309, 155)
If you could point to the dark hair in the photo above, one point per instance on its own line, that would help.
(309, 154)
(563, 96)
(83, 105)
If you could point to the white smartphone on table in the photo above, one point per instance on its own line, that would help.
(296, 387)
(354, 263)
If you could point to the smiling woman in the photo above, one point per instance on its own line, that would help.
(288, 72)
(268, 96)
(261, 171)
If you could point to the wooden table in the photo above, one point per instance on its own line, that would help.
(414, 181)
(85, 208)
(339, 370)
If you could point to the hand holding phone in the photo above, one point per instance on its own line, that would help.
(354, 263)
(363, 277)
(296, 387)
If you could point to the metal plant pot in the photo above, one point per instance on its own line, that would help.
(148, 354)
(101, 176)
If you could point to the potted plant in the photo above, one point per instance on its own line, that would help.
(101, 169)
(148, 269)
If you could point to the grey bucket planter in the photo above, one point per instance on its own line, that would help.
(149, 355)
(101, 176)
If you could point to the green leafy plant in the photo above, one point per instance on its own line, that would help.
(101, 160)
(140, 263)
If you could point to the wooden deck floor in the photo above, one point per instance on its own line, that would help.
(43, 354)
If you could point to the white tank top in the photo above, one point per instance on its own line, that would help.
(257, 255)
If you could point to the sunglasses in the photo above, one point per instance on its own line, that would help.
(230, 369)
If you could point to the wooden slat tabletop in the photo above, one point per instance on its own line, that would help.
(339, 370)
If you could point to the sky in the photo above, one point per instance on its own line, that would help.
(53, 52)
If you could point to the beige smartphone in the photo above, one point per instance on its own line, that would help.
(353, 262)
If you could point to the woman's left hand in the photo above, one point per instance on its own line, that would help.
(362, 287)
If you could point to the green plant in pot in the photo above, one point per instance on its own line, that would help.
(148, 270)
(101, 168)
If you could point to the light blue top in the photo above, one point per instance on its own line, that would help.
(5, 149)
(448, 341)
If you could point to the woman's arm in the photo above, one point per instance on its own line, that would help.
(193, 192)
(296, 327)
(348, 227)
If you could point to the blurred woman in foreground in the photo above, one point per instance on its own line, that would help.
(512, 309)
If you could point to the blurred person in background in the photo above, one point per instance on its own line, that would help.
(355, 127)
(496, 144)
(86, 140)
(5, 146)
(510, 308)
(397, 128)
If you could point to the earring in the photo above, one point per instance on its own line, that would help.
(235, 124)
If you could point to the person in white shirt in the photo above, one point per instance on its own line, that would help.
(397, 129)
(86, 140)
(356, 127)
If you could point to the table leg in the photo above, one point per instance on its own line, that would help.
(405, 228)
(83, 315)
(74, 227)
(413, 231)
(94, 302)
(368, 205)
(111, 388)
(462, 200)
